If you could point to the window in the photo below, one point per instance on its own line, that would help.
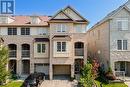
(61, 28)
(122, 24)
(61, 46)
(80, 28)
(122, 44)
(12, 31)
(25, 31)
(41, 48)
(42, 31)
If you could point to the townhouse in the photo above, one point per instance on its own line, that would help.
(54, 45)
(109, 41)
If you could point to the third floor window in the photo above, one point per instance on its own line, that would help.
(12, 31)
(122, 24)
(61, 28)
(25, 31)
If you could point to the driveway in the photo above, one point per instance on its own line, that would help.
(58, 83)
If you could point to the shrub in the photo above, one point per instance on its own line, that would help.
(109, 74)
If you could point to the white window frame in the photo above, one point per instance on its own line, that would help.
(122, 47)
(41, 48)
(61, 28)
(61, 50)
(124, 27)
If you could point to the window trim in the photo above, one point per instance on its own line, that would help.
(61, 46)
(25, 29)
(12, 32)
(122, 20)
(41, 50)
(122, 45)
(60, 29)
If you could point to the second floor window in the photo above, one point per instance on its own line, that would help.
(122, 44)
(61, 28)
(61, 46)
(12, 31)
(25, 31)
(122, 24)
(41, 48)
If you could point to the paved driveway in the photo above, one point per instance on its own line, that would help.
(58, 83)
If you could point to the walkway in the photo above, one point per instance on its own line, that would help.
(58, 83)
(127, 83)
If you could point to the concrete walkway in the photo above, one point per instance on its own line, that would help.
(127, 83)
(58, 83)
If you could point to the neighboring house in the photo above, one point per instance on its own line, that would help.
(54, 45)
(109, 41)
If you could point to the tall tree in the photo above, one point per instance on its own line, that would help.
(86, 76)
(3, 64)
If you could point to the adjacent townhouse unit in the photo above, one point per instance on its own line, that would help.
(55, 45)
(109, 41)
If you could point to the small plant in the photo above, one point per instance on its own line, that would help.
(109, 74)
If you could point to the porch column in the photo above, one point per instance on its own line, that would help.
(31, 67)
(72, 70)
(19, 67)
(51, 72)
(19, 60)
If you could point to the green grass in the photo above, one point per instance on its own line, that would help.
(13, 84)
(111, 84)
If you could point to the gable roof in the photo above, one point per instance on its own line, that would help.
(61, 11)
(76, 13)
(111, 14)
(72, 19)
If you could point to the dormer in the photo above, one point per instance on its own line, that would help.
(35, 19)
(4, 19)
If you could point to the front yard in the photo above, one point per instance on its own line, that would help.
(111, 84)
(13, 84)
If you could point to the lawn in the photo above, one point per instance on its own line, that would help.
(111, 84)
(13, 84)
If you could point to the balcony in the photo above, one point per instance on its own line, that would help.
(26, 53)
(79, 52)
(12, 54)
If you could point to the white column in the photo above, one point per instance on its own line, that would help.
(72, 70)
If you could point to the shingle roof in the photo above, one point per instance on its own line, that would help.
(25, 20)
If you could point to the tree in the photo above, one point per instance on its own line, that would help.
(3, 63)
(87, 79)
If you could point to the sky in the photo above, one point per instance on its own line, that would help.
(92, 10)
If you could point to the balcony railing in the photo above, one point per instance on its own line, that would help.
(25, 53)
(12, 53)
(79, 52)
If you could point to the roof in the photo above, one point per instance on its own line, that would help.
(25, 20)
(109, 16)
(71, 19)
